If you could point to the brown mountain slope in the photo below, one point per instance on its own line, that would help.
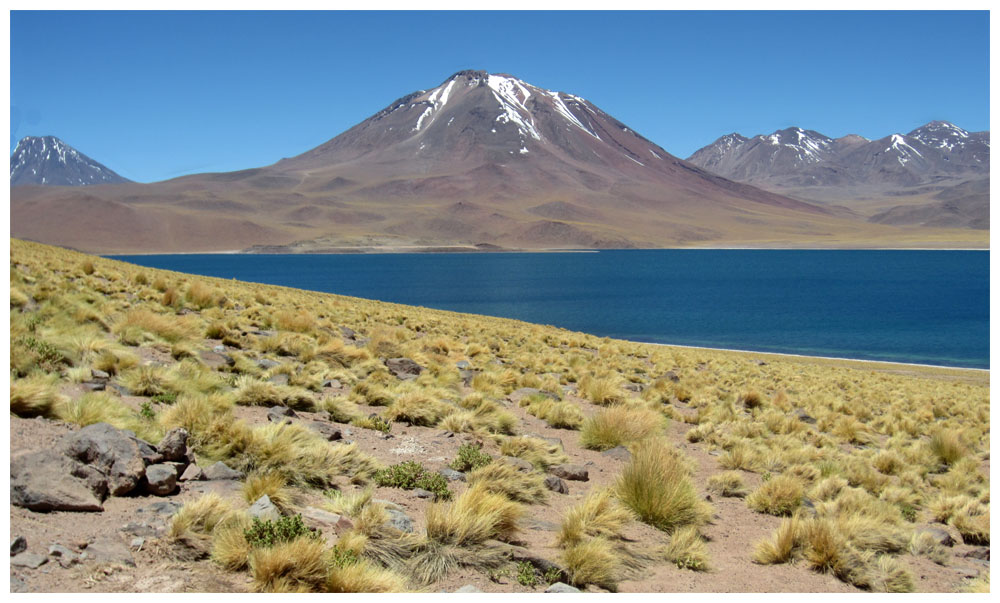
(481, 159)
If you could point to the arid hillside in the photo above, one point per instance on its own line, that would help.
(482, 160)
(171, 433)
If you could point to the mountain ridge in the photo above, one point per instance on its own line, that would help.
(495, 146)
(33, 162)
(883, 179)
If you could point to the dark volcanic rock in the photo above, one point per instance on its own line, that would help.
(115, 453)
(556, 485)
(50, 481)
(161, 479)
(571, 472)
(221, 471)
(403, 368)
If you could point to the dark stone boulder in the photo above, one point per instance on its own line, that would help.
(326, 430)
(451, 475)
(803, 416)
(619, 453)
(221, 471)
(264, 509)
(521, 464)
(571, 472)
(115, 453)
(174, 446)
(161, 479)
(556, 485)
(277, 414)
(50, 481)
(403, 368)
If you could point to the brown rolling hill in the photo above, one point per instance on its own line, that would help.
(482, 159)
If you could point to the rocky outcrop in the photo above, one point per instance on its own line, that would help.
(97, 461)
(50, 481)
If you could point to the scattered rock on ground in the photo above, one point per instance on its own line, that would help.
(49, 481)
(161, 479)
(18, 545)
(174, 446)
(521, 464)
(571, 472)
(29, 560)
(451, 475)
(468, 588)
(559, 587)
(326, 430)
(803, 416)
(620, 453)
(277, 414)
(403, 368)
(221, 471)
(264, 509)
(193, 473)
(113, 452)
(399, 520)
(556, 485)
(108, 550)
(421, 493)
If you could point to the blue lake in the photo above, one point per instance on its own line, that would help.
(928, 307)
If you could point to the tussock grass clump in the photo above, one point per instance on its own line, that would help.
(202, 296)
(101, 407)
(687, 550)
(727, 483)
(656, 485)
(199, 517)
(140, 326)
(298, 322)
(780, 495)
(505, 479)
(340, 409)
(253, 392)
(946, 446)
(274, 485)
(418, 409)
(740, 456)
(538, 452)
(290, 567)
(599, 514)
(620, 425)
(36, 396)
(230, 548)
(485, 417)
(561, 415)
(603, 391)
(362, 576)
(476, 515)
(595, 561)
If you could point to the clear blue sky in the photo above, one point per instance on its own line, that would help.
(155, 95)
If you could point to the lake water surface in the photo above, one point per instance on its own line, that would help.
(929, 307)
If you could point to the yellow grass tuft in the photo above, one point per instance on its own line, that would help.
(600, 514)
(505, 479)
(780, 495)
(35, 396)
(289, 567)
(620, 425)
(538, 452)
(687, 550)
(656, 485)
(475, 516)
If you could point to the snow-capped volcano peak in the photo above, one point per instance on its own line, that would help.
(50, 161)
(493, 116)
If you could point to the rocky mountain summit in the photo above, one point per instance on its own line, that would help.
(48, 161)
(797, 157)
(480, 161)
(936, 175)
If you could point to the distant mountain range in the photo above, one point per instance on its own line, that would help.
(936, 175)
(482, 160)
(49, 161)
